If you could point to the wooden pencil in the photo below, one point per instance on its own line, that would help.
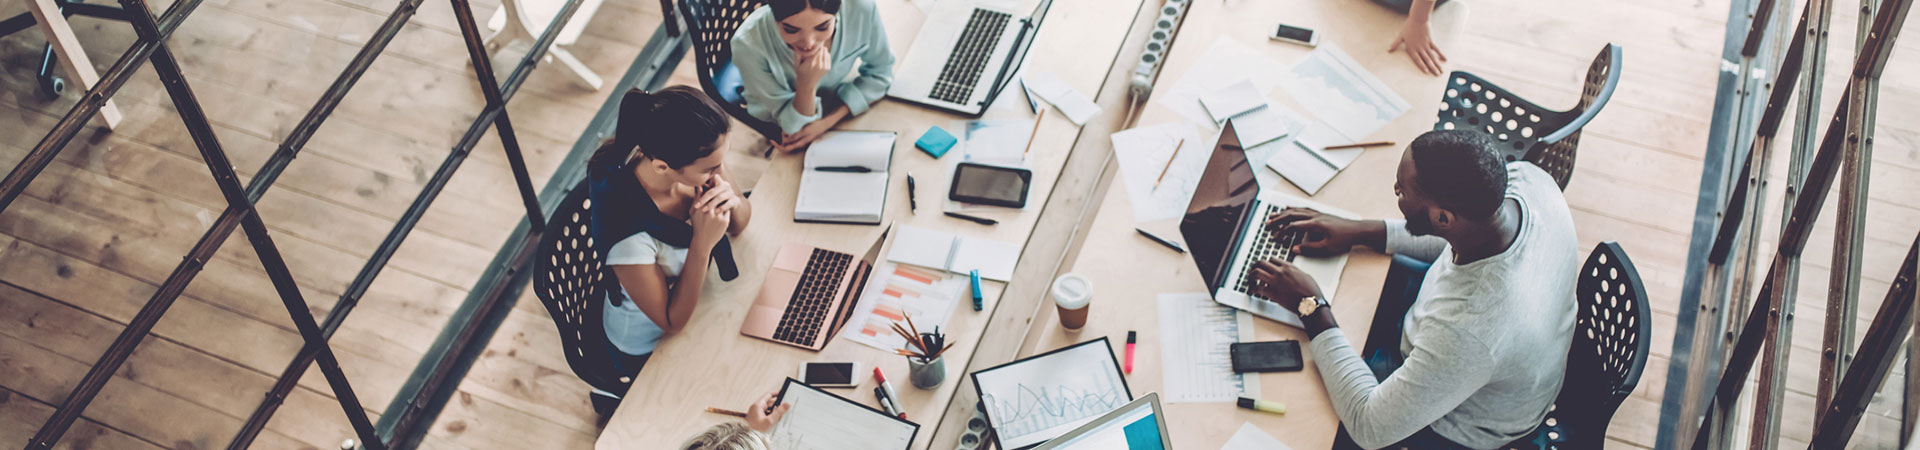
(1359, 145)
(1036, 133)
(1176, 154)
(726, 412)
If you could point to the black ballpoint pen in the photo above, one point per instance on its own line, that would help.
(913, 200)
(849, 169)
(1162, 241)
(975, 219)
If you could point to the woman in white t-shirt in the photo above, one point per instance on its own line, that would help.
(661, 204)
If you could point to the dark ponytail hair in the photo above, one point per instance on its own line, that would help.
(676, 125)
(782, 9)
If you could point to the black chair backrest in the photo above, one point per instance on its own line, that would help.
(570, 280)
(712, 23)
(1608, 352)
(1545, 137)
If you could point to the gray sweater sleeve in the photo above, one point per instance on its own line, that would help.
(1438, 375)
(1401, 242)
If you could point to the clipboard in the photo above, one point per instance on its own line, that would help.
(1007, 377)
(826, 427)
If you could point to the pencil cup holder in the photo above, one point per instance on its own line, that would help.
(926, 375)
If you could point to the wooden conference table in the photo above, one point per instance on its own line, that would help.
(1129, 272)
(710, 363)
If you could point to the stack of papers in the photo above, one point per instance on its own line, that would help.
(1076, 105)
(1253, 119)
(857, 193)
(954, 253)
(1305, 161)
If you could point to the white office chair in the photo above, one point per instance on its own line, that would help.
(529, 15)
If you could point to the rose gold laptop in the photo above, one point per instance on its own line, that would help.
(808, 294)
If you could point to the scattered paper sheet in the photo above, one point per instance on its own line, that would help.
(1232, 100)
(1077, 106)
(941, 250)
(1342, 93)
(896, 292)
(1002, 142)
(1195, 333)
(1253, 438)
(1225, 63)
(1304, 159)
(1143, 153)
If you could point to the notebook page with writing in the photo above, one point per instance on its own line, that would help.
(845, 196)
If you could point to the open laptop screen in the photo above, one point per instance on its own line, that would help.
(1219, 207)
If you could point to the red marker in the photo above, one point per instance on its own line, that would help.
(891, 395)
(1130, 336)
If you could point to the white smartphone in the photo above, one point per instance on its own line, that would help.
(830, 374)
(1297, 35)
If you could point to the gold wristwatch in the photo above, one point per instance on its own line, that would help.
(1310, 304)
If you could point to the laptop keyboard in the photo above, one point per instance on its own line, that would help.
(1266, 245)
(808, 308)
(969, 58)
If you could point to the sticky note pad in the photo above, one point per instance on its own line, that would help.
(936, 142)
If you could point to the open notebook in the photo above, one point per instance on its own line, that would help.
(955, 253)
(845, 196)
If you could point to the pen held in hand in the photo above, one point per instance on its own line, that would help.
(726, 412)
(845, 169)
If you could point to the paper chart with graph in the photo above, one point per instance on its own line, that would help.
(897, 291)
(823, 421)
(1042, 397)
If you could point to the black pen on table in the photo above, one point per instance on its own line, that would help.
(1162, 241)
(847, 169)
(913, 200)
(973, 218)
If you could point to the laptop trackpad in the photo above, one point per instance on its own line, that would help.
(777, 290)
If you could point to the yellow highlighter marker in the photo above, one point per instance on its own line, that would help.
(1263, 405)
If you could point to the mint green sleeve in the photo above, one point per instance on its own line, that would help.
(876, 62)
(769, 96)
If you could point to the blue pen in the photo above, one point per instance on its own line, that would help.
(977, 305)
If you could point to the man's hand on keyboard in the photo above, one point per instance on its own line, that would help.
(1280, 281)
(1325, 234)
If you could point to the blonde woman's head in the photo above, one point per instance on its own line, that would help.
(728, 436)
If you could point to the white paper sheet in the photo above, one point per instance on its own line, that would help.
(1143, 154)
(1304, 160)
(1001, 142)
(819, 421)
(898, 291)
(1070, 101)
(842, 196)
(1232, 100)
(1253, 438)
(1342, 93)
(959, 254)
(1194, 335)
(1226, 62)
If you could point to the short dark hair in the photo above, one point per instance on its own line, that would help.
(676, 125)
(1461, 171)
(782, 9)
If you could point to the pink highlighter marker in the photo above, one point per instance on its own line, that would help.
(891, 395)
(1130, 336)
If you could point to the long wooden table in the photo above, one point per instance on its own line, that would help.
(1129, 272)
(711, 364)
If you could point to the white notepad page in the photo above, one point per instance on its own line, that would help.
(845, 196)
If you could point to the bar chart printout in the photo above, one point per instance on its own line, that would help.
(1042, 397)
(898, 291)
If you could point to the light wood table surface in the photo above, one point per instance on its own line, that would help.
(1129, 272)
(711, 364)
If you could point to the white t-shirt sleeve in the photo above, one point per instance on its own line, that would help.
(637, 249)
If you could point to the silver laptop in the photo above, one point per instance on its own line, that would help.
(965, 55)
(1226, 233)
(1137, 426)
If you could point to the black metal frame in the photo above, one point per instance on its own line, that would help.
(50, 82)
(239, 213)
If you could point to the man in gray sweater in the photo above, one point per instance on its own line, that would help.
(1484, 342)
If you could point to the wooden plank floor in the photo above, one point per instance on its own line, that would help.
(93, 236)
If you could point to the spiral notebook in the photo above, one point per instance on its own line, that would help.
(844, 178)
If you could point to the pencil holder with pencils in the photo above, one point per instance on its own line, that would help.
(926, 374)
(925, 366)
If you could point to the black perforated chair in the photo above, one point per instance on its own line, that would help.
(570, 280)
(712, 23)
(1527, 131)
(1608, 352)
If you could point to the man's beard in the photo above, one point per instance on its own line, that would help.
(1418, 225)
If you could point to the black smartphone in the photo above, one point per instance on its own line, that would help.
(1274, 356)
(1297, 35)
(990, 185)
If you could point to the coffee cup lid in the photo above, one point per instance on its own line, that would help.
(1072, 291)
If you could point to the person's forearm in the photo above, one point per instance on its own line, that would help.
(1373, 233)
(805, 101)
(1420, 9)
(686, 292)
(1318, 322)
(737, 220)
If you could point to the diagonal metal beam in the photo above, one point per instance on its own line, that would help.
(69, 126)
(490, 88)
(1835, 424)
(1849, 231)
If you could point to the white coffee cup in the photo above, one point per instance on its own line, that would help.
(1072, 294)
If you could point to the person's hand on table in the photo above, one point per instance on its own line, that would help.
(1417, 40)
(1326, 234)
(807, 134)
(762, 416)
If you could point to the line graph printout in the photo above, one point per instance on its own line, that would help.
(823, 421)
(1342, 93)
(1195, 334)
(1042, 397)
